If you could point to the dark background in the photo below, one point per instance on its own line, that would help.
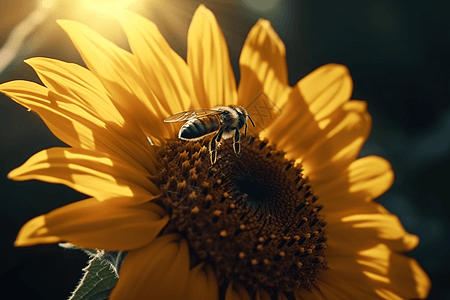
(397, 53)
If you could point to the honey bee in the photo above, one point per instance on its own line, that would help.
(222, 121)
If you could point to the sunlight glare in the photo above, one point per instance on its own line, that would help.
(47, 4)
(19, 34)
(118, 4)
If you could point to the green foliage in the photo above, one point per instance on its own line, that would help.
(100, 275)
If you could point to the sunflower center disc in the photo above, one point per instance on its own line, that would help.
(252, 216)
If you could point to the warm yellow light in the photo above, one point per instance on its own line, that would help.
(22, 30)
(111, 3)
(47, 4)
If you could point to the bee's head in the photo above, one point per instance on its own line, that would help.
(244, 113)
(244, 117)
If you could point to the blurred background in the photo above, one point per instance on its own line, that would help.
(398, 53)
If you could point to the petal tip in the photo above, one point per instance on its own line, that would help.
(339, 68)
(21, 244)
(69, 25)
(62, 22)
(12, 175)
(205, 14)
(28, 61)
(411, 241)
(264, 23)
(266, 26)
(34, 61)
(27, 235)
(202, 9)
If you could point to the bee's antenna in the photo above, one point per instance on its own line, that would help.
(245, 132)
(248, 116)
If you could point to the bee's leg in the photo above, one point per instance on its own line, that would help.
(245, 131)
(212, 150)
(219, 134)
(237, 139)
(213, 145)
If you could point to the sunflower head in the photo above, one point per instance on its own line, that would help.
(253, 217)
(283, 212)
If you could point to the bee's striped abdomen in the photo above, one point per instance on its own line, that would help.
(197, 128)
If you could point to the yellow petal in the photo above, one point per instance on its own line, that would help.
(77, 127)
(325, 89)
(92, 224)
(235, 291)
(261, 294)
(69, 123)
(77, 84)
(311, 101)
(157, 271)
(345, 282)
(119, 72)
(209, 61)
(165, 72)
(294, 131)
(90, 172)
(24, 92)
(202, 284)
(333, 291)
(353, 229)
(408, 279)
(281, 296)
(72, 83)
(314, 294)
(364, 180)
(339, 143)
(370, 273)
(263, 69)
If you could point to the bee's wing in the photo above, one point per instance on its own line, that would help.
(192, 114)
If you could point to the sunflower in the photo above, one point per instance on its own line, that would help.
(290, 217)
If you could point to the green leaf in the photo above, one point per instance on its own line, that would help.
(100, 275)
